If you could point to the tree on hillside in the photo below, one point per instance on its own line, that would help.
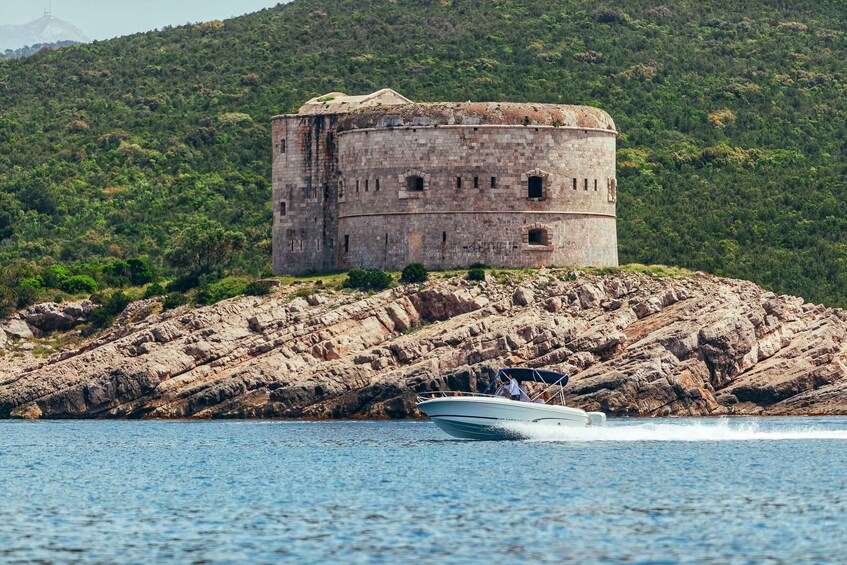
(204, 247)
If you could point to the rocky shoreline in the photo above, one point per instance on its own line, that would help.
(634, 345)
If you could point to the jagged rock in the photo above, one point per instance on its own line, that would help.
(651, 306)
(633, 345)
(589, 295)
(523, 297)
(17, 328)
(50, 316)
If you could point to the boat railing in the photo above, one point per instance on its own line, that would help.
(429, 395)
(447, 393)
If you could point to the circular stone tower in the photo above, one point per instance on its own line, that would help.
(449, 185)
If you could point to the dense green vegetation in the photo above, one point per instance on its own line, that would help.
(732, 120)
(370, 279)
(414, 273)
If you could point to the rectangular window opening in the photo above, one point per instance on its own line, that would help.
(357, 185)
(537, 237)
(444, 237)
(346, 243)
(586, 184)
(386, 240)
(476, 182)
(574, 184)
(282, 208)
(282, 146)
(366, 185)
(595, 185)
(377, 185)
(458, 182)
(493, 182)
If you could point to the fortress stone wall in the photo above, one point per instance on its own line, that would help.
(380, 182)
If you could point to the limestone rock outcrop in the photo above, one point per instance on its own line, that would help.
(50, 316)
(634, 345)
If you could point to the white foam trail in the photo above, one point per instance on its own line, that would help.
(717, 430)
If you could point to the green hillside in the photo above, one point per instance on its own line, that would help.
(732, 120)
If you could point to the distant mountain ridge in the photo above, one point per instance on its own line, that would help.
(33, 49)
(44, 31)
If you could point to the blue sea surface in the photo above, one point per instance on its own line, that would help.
(658, 491)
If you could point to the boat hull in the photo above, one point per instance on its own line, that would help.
(493, 418)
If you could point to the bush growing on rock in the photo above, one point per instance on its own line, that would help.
(110, 306)
(371, 279)
(414, 273)
(79, 284)
(228, 287)
(476, 274)
(154, 289)
(257, 288)
(174, 300)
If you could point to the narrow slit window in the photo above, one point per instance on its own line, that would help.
(586, 184)
(282, 208)
(458, 182)
(386, 239)
(357, 185)
(595, 185)
(377, 185)
(493, 182)
(574, 184)
(476, 182)
(282, 145)
(444, 237)
(535, 187)
(366, 185)
(346, 243)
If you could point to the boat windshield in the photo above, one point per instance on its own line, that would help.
(536, 385)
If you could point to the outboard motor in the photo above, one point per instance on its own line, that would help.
(596, 419)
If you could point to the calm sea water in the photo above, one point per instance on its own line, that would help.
(747, 491)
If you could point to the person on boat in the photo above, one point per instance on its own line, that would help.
(514, 388)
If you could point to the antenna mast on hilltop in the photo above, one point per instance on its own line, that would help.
(48, 10)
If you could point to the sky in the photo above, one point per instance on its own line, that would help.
(103, 19)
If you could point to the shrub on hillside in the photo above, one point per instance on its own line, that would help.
(79, 284)
(257, 288)
(110, 306)
(139, 271)
(122, 273)
(476, 274)
(154, 289)
(174, 300)
(182, 284)
(204, 247)
(371, 279)
(414, 273)
(54, 275)
(8, 300)
(228, 287)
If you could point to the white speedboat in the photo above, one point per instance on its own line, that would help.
(499, 415)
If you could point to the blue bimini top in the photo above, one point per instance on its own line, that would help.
(521, 374)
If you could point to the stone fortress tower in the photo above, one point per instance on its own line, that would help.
(378, 181)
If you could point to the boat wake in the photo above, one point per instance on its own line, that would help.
(700, 430)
